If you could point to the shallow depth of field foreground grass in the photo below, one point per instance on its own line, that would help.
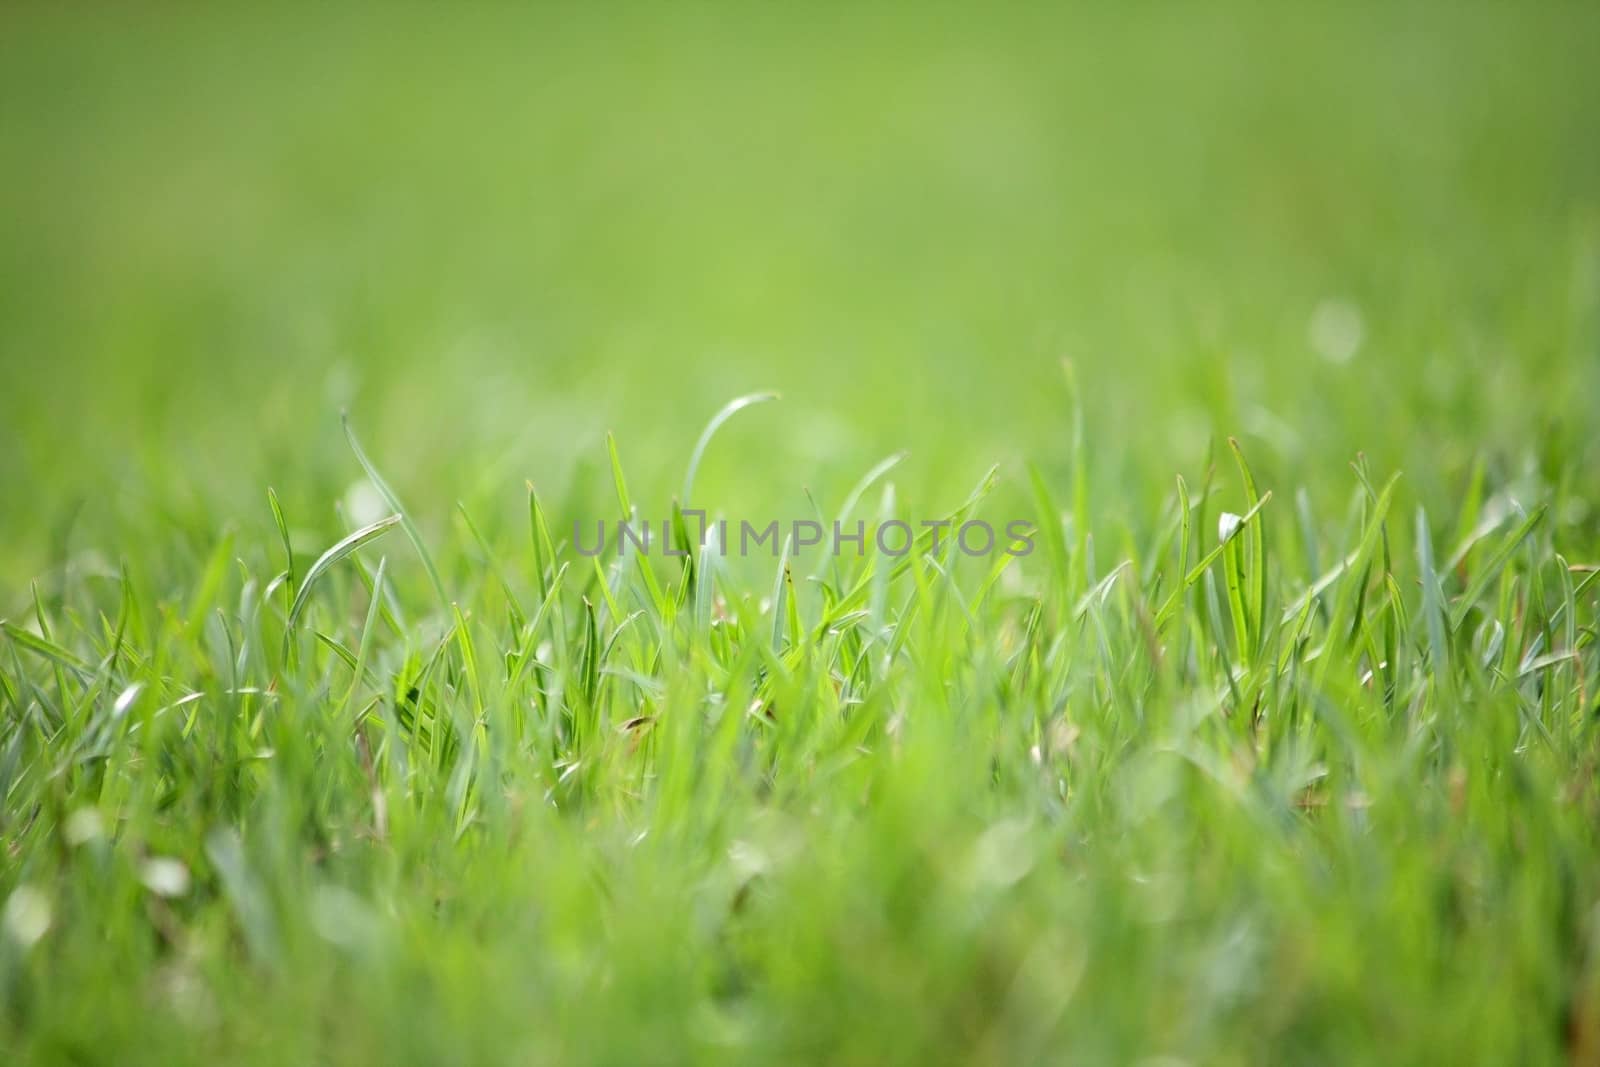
(321, 743)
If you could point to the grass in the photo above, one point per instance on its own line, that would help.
(320, 742)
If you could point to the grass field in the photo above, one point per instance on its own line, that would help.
(1281, 327)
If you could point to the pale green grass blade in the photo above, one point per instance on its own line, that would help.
(413, 534)
(1486, 574)
(364, 536)
(1432, 598)
(288, 549)
(729, 410)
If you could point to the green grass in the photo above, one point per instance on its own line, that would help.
(323, 745)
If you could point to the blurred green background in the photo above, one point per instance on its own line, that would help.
(493, 235)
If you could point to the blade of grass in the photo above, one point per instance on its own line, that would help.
(729, 410)
(1486, 574)
(413, 534)
(363, 536)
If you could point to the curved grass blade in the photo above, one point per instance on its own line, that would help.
(1496, 563)
(288, 549)
(404, 518)
(729, 410)
(46, 648)
(884, 467)
(338, 552)
(337, 647)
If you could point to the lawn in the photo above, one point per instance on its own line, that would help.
(1266, 343)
